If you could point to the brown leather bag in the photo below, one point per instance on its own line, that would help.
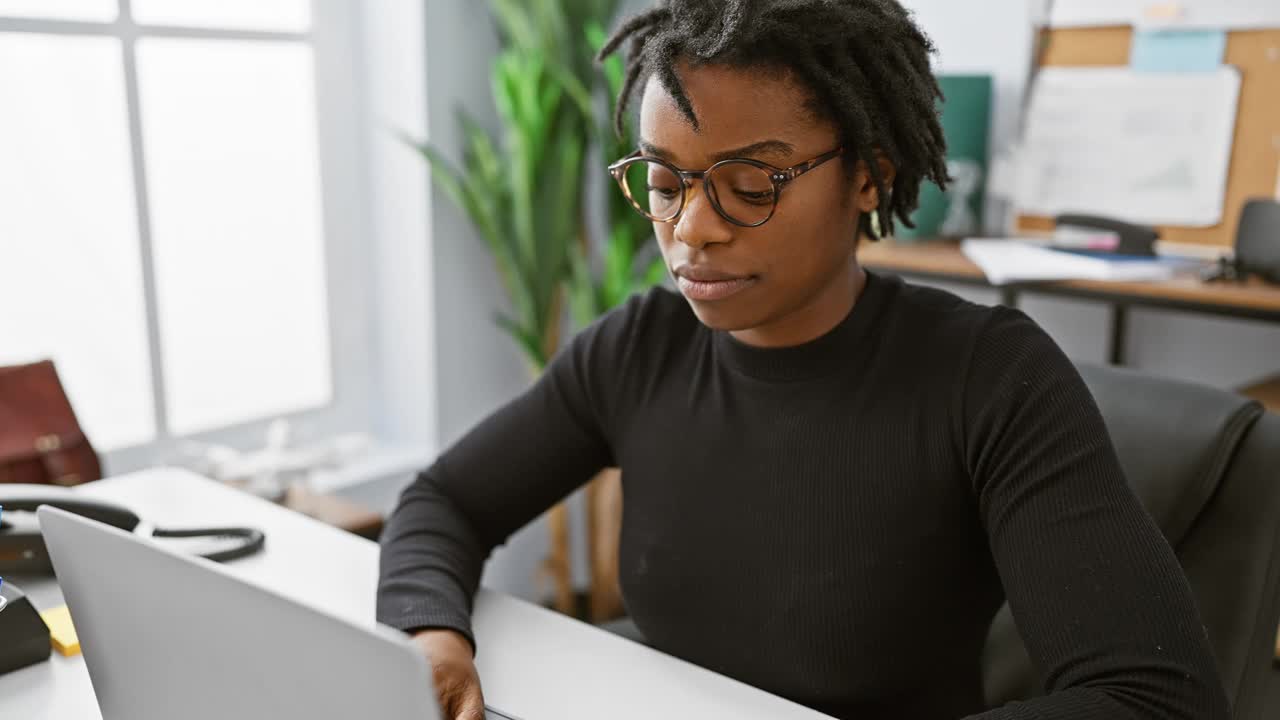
(40, 439)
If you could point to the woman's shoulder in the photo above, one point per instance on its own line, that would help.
(935, 331)
(654, 311)
(648, 323)
(938, 305)
(937, 317)
(657, 307)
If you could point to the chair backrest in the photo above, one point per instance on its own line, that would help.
(1206, 465)
(1256, 248)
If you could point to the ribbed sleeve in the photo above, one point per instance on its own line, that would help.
(1095, 589)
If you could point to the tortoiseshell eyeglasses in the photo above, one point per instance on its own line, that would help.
(742, 190)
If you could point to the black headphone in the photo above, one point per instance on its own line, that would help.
(251, 541)
(22, 548)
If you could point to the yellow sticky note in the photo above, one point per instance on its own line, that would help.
(1163, 12)
(62, 631)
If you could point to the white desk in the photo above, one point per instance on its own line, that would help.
(532, 662)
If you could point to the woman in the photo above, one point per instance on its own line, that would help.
(832, 479)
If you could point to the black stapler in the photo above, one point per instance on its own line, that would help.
(1135, 240)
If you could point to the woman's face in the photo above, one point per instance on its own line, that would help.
(752, 279)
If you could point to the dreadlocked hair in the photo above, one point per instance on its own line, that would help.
(865, 62)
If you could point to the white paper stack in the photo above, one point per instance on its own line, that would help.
(1011, 261)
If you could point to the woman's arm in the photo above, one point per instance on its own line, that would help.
(505, 472)
(1098, 595)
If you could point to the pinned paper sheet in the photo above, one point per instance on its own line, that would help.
(1214, 14)
(1129, 145)
(1163, 12)
(1178, 50)
(1092, 13)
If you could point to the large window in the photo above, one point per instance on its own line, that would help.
(165, 234)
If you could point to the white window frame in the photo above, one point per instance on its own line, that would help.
(356, 258)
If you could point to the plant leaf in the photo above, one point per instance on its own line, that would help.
(581, 291)
(516, 24)
(618, 262)
(576, 90)
(656, 273)
(526, 338)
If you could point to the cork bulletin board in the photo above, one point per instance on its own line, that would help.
(1255, 153)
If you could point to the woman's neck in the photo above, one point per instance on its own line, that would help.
(825, 310)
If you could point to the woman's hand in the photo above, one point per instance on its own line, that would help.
(453, 671)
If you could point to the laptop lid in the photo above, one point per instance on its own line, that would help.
(168, 636)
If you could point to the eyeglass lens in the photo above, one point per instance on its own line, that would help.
(743, 192)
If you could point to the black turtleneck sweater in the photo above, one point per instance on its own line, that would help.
(835, 522)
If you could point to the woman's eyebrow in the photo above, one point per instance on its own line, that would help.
(772, 147)
(652, 150)
(776, 148)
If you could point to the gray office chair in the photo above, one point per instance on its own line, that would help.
(1206, 464)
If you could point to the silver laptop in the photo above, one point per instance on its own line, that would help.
(169, 636)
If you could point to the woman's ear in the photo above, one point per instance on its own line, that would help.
(866, 194)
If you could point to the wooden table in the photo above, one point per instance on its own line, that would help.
(942, 260)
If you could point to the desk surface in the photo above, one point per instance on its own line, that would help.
(942, 260)
(533, 663)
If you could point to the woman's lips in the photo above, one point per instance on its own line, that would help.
(707, 290)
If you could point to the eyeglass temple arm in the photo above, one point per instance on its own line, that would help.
(796, 171)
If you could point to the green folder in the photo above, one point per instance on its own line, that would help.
(966, 123)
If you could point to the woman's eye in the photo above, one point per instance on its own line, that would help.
(757, 197)
(665, 192)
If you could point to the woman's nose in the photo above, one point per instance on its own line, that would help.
(700, 224)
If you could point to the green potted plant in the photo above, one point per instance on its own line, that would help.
(522, 193)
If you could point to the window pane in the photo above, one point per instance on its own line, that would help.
(229, 133)
(85, 10)
(70, 276)
(279, 15)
